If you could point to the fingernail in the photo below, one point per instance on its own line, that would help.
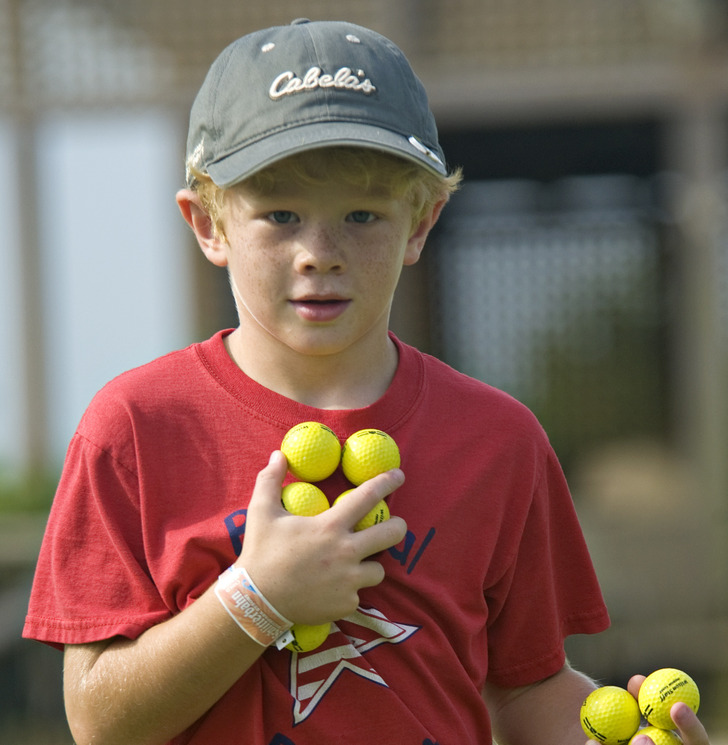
(679, 711)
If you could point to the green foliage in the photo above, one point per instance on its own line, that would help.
(26, 493)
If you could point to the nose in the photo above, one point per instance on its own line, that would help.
(319, 249)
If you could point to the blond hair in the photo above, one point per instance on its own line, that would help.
(363, 167)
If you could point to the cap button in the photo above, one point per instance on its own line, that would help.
(298, 21)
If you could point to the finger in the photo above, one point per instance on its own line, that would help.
(642, 740)
(371, 574)
(361, 500)
(691, 730)
(635, 683)
(376, 538)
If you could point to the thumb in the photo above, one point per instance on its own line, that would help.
(635, 683)
(264, 506)
(690, 727)
(266, 496)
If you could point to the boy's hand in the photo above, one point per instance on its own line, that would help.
(312, 568)
(689, 726)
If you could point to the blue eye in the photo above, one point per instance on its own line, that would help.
(283, 217)
(361, 216)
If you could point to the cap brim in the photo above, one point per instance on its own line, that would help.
(258, 155)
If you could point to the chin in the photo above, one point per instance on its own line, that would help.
(318, 345)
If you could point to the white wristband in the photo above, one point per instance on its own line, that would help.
(249, 608)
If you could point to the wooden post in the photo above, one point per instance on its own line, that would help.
(696, 151)
(33, 364)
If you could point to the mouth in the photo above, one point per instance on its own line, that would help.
(320, 309)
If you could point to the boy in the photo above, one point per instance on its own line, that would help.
(314, 176)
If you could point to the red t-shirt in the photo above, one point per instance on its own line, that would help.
(491, 577)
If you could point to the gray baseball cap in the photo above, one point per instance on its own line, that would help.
(286, 89)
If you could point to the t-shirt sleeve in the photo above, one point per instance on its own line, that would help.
(548, 592)
(92, 581)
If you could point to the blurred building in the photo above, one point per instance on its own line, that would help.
(583, 267)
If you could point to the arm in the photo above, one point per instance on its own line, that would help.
(548, 712)
(545, 712)
(147, 690)
(150, 689)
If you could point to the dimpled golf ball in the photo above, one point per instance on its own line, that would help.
(661, 690)
(659, 736)
(302, 498)
(306, 638)
(312, 450)
(610, 715)
(367, 453)
(378, 514)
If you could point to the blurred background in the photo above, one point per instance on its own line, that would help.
(583, 268)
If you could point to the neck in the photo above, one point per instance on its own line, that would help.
(346, 380)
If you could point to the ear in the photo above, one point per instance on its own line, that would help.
(213, 245)
(416, 241)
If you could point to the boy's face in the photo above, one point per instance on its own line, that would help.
(314, 268)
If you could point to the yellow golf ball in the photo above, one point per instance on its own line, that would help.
(378, 514)
(659, 736)
(661, 690)
(302, 498)
(367, 453)
(610, 715)
(306, 638)
(312, 450)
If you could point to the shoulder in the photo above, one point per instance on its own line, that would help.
(150, 380)
(473, 400)
(463, 416)
(143, 393)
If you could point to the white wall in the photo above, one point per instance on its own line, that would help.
(11, 392)
(116, 261)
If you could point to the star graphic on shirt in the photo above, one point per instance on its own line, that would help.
(314, 673)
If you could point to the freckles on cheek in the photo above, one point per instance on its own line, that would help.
(250, 260)
(253, 283)
(383, 266)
